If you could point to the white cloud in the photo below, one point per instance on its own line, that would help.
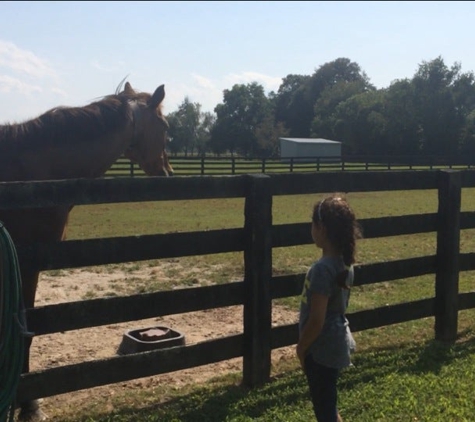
(200, 90)
(270, 83)
(16, 59)
(60, 92)
(203, 82)
(108, 68)
(9, 84)
(209, 92)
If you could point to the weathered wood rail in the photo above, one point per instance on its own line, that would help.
(258, 288)
(235, 165)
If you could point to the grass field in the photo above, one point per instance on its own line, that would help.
(399, 372)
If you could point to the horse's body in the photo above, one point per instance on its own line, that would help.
(80, 142)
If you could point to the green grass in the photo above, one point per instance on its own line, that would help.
(400, 373)
(403, 381)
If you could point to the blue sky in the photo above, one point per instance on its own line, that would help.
(72, 53)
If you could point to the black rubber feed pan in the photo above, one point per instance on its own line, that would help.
(152, 338)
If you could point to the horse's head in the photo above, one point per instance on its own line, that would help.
(150, 131)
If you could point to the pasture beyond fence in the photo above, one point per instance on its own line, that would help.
(234, 165)
(259, 287)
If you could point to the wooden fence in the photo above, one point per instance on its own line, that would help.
(258, 288)
(206, 165)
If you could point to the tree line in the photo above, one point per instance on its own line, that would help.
(432, 113)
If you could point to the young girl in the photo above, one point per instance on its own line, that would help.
(325, 340)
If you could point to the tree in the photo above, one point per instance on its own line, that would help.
(331, 96)
(440, 123)
(403, 125)
(464, 98)
(467, 138)
(175, 140)
(267, 134)
(300, 94)
(189, 128)
(243, 109)
(207, 121)
(288, 101)
(359, 123)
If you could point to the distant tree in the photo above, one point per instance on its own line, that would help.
(189, 128)
(300, 94)
(267, 134)
(325, 106)
(184, 126)
(432, 113)
(175, 140)
(464, 98)
(467, 135)
(440, 123)
(359, 123)
(402, 122)
(463, 90)
(288, 101)
(243, 109)
(207, 121)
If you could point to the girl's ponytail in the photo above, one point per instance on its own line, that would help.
(341, 279)
(342, 230)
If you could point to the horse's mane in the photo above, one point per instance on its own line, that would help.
(74, 124)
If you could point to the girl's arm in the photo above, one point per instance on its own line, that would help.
(313, 326)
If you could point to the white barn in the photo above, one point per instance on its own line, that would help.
(307, 149)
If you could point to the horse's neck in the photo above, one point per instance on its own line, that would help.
(65, 160)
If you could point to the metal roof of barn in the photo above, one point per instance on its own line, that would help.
(311, 140)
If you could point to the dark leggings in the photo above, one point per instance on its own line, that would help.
(322, 383)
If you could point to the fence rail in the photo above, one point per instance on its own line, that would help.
(206, 165)
(258, 288)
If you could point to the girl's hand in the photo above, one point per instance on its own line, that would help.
(301, 355)
(313, 326)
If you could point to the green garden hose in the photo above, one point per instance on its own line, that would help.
(12, 325)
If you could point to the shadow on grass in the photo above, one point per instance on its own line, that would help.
(430, 356)
(238, 403)
(435, 355)
(215, 404)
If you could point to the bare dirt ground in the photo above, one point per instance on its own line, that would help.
(100, 342)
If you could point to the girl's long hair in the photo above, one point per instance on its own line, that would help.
(342, 229)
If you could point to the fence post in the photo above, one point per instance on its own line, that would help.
(257, 276)
(448, 249)
(131, 169)
(202, 164)
(233, 166)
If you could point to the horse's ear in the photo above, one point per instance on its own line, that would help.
(157, 97)
(128, 90)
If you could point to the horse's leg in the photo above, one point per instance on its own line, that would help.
(29, 410)
(167, 164)
(25, 226)
(55, 221)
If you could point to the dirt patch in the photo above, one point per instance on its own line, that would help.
(101, 342)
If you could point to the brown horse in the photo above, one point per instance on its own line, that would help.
(78, 142)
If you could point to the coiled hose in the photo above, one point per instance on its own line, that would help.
(12, 325)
